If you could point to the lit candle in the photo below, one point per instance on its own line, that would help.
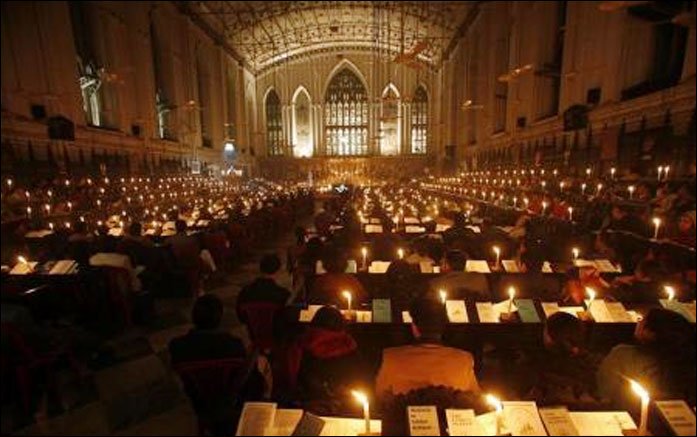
(347, 295)
(589, 171)
(555, 172)
(364, 252)
(600, 188)
(583, 188)
(28, 211)
(591, 296)
(50, 226)
(400, 253)
(613, 172)
(47, 207)
(666, 171)
(515, 202)
(645, 399)
(670, 292)
(527, 203)
(571, 214)
(9, 184)
(511, 297)
(660, 172)
(70, 206)
(561, 186)
(498, 406)
(497, 251)
(67, 225)
(576, 252)
(631, 190)
(443, 296)
(363, 400)
(657, 227)
(28, 195)
(544, 207)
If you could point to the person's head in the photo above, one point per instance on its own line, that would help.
(662, 328)
(329, 318)
(686, 224)
(180, 226)
(619, 212)
(207, 312)
(456, 261)
(428, 318)
(460, 221)
(80, 227)
(135, 229)
(334, 261)
(564, 332)
(270, 264)
(532, 258)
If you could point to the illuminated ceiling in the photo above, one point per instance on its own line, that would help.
(265, 33)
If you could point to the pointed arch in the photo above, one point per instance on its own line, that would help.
(391, 87)
(274, 123)
(345, 63)
(302, 124)
(390, 138)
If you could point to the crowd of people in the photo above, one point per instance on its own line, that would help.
(315, 365)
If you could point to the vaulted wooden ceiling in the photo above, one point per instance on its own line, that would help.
(264, 33)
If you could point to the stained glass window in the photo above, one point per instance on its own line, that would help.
(346, 115)
(274, 125)
(419, 121)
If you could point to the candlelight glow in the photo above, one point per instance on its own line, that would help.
(347, 295)
(360, 397)
(511, 293)
(670, 291)
(494, 402)
(639, 390)
(22, 260)
(576, 252)
(400, 253)
(592, 294)
(443, 296)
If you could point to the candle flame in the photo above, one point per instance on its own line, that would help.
(443, 296)
(592, 294)
(494, 402)
(670, 291)
(639, 390)
(511, 293)
(22, 260)
(360, 397)
(347, 295)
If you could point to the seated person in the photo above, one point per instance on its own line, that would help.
(662, 360)
(533, 283)
(427, 362)
(420, 254)
(622, 220)
(138, 248)
(264, 289)
(327, 289)
(207, 342)
(577, 280)
(565, 371)
(686, 233)
(458, 283)
(330, 365)
(644, 286)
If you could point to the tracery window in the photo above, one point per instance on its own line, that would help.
(419, 122)
(274, 124)
(346, 115)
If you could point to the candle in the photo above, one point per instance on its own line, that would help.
(544, 207)
(47, 207)
(659, 171)
(67, 225)
(613, 171)
(589, 171)
(511, 297)
(364, 252)
(70, 206)
(515, 202)
(631, 190)
(400, 253)
(363, 400)
(555, 172)
(583, 188)
(28, 211)
(670, 292)
(666, 170)
(591, 296)
(571, 214)
(443, 296)
(527, 203)
(600, 188)
(657, 227)
(576, 252)
(9, 184)
(561, 186)
(497, 251)
(347, 295)
(498, 406)
(50, 226)
(28, 195)
(645, 399)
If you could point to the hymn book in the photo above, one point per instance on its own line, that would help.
(423, 421)
(522, 419)
(457, 311)
(527, 311)
(24, 268)
(678, 416)
(558, 422)
(382, 311)
(612, 423)
(257, 419)
(511, 266)
(462, 423)
(474, 266)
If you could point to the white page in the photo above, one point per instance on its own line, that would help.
(549, 308)
(307, 315)
(462, 423)
(600, 312)
(352, 266)
(442, 228)
(547, 267)
(474, 266)
(285, 422)
(373, 229)
(379, 267)
(426, 267)
(256, 420)
(62, 267)
(602, 423)
(618, 312)
(522, 419)
(406, 317)
(558, 422)
(411, 220)
(457, 311)
(24, 268)
(415, 230)
(486, 313)
(364, 316)
(475, 229)
(511, 266)
(335, 426)
(584, 263)
(423, 421)
(319, 268)
(679, 416)
(605, 266)
(487, 423)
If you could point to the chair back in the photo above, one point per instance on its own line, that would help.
(260, 318)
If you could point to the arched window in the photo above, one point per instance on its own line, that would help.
(274, 125)
(302, 125)
(346, 115)
(419, 121)
(390, 122)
